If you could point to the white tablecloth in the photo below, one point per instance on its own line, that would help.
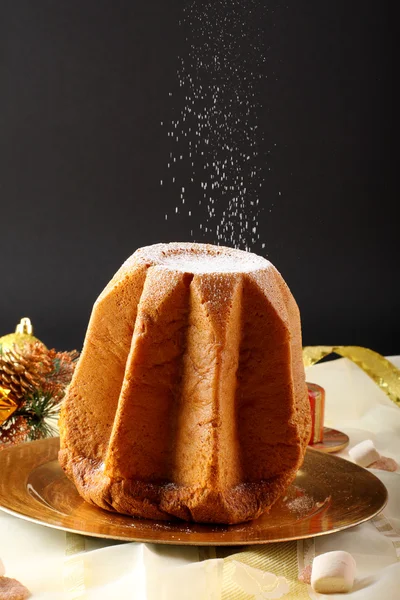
(56, 565)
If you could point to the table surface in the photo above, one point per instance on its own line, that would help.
(55, 565)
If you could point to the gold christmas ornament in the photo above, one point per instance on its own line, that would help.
(23, 335)
(7, 405)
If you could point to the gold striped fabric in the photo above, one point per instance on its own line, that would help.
(256, 573)
(74, 568)
(384, 526)
(264, 572)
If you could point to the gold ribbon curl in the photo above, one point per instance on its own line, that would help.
(7, 405)
(381, 370)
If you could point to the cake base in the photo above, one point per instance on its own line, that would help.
(168, 501)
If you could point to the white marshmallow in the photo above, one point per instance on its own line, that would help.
(2, 569)
(333, 572)
(365, 453)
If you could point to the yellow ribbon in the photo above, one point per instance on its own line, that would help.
(7, 405)
(381, 370)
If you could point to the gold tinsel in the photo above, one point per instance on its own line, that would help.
(14, 433)
(381, 370)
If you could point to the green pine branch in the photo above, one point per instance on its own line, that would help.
(37, 409)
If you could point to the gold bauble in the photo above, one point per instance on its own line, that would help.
(23, 335)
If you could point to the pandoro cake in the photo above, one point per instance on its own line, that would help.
(189, 399)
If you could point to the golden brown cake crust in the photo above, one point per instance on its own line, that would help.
(244, 502)
(189, 400)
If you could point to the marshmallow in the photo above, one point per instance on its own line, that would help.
(333, 572)
(365, 453)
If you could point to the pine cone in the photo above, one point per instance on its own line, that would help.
(23, 370)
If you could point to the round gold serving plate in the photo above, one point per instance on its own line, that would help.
(329, 494)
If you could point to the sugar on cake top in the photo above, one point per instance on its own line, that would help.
(199, 258)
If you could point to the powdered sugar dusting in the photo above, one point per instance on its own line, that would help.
(385, 464)
(190, 263)
(305, 574)
(302, 505)
(201, 258)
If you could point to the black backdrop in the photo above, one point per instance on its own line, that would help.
(84, 87)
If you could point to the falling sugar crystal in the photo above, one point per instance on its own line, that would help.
(216, 135)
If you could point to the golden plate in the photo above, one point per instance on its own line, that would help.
(328, 494)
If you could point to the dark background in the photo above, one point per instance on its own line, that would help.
(83, 88)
